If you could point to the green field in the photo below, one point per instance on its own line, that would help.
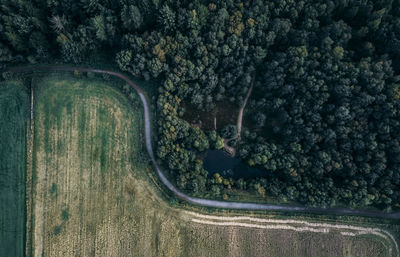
(13, 123)
(94, 193)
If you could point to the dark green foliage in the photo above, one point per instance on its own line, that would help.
(54, 190)
(229, 131)
(131, 17)
(330, 94)
(57, 230)
(14, 113)
(324, 110)
(65, 215)
(259, 119)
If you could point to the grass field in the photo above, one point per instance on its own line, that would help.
(13, 123)
(94, 193)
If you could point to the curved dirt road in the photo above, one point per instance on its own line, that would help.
(194, 200)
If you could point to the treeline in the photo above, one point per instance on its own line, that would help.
(323, 119)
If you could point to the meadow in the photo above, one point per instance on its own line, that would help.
(94, 192)
(14, 106)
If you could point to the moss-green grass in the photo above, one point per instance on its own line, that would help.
(14, 111)
(95, 194)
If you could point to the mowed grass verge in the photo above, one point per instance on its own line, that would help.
(94, 196)
(14, 111)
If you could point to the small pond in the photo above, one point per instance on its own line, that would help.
(218, 161)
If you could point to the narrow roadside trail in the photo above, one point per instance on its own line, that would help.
(183, 196)
(240, 116)
(232, 150)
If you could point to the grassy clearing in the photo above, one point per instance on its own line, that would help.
(94, 194)
(14, 106)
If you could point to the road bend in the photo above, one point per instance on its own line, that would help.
(194, 200)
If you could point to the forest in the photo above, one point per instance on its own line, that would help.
(322, 122)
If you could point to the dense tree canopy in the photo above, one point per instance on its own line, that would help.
(323, 119)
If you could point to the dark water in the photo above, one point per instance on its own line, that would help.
(218, 161)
